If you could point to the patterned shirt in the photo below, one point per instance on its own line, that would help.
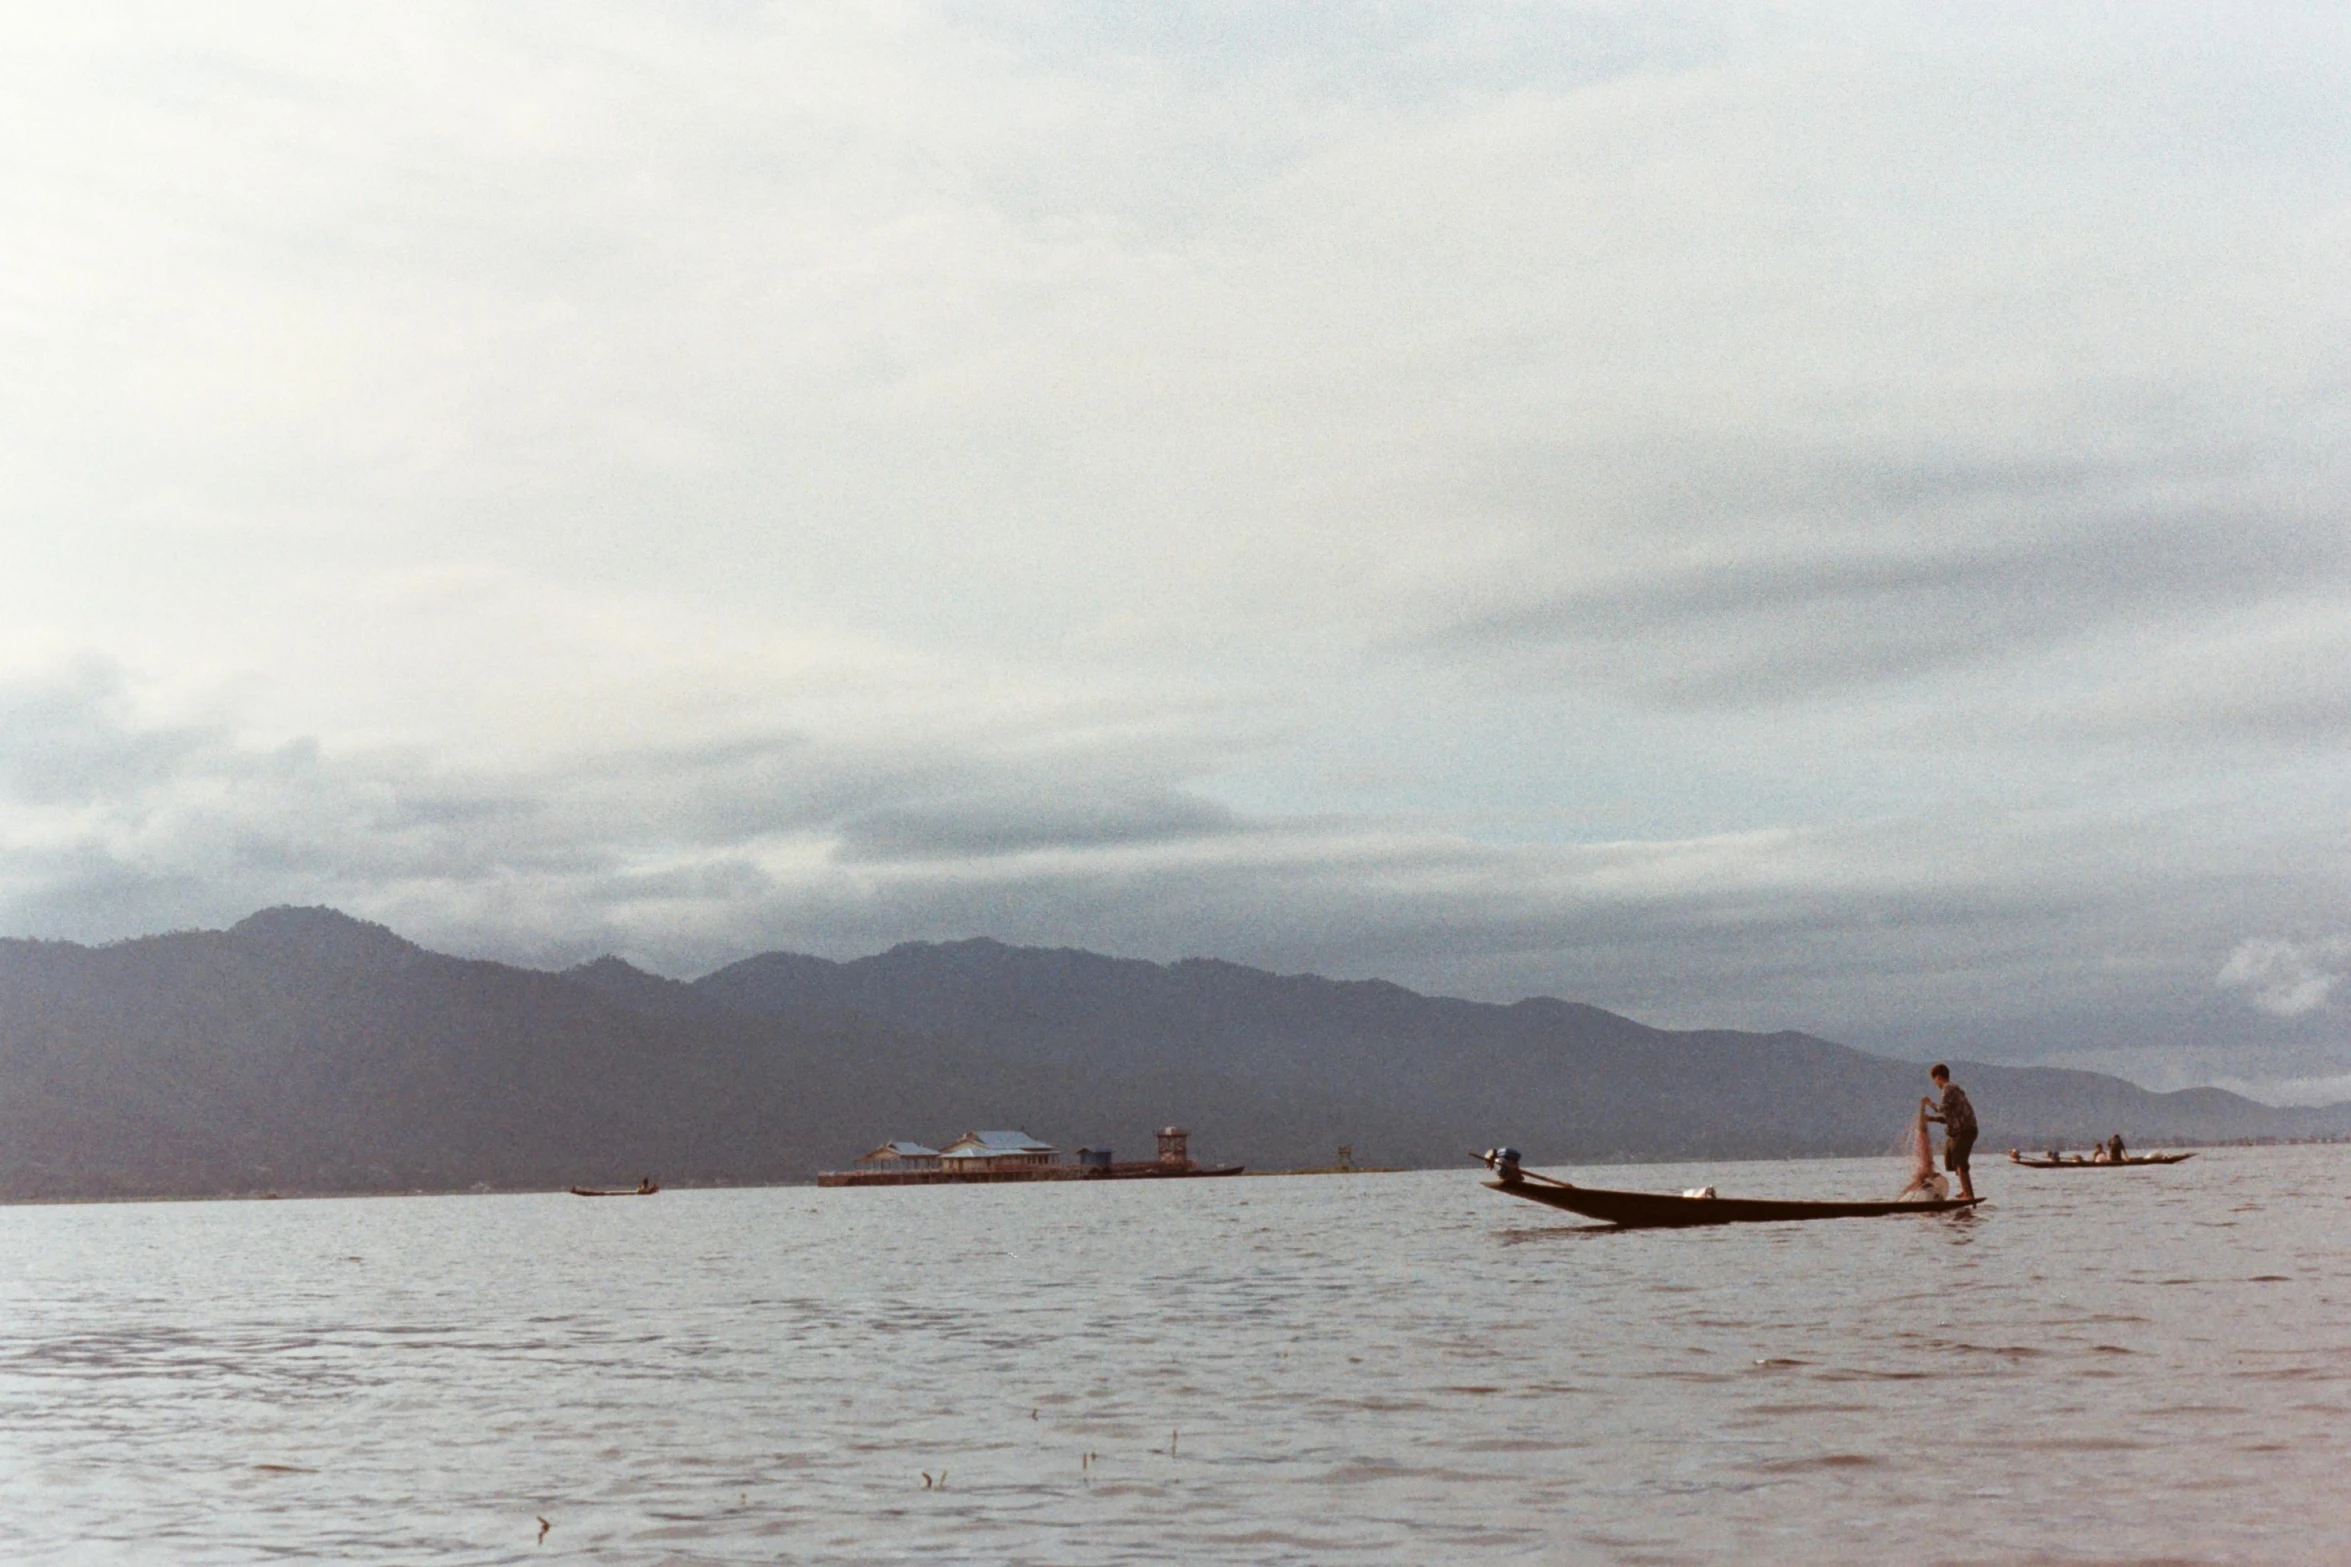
(1958, 1114)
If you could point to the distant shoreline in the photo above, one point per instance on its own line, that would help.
(809, 1184)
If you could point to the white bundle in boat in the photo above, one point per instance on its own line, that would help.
(1698, 1191)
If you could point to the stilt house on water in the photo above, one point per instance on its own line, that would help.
(1013, 1156)
(995, 1151)
(899, 1156)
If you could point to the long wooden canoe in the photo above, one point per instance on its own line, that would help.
(2097, 1164)
(1656, 1210)
(614, 1191)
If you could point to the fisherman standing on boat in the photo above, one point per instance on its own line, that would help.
(1958, 1118)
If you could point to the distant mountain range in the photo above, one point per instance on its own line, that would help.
(306, 1051)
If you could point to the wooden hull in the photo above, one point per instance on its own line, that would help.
(2108, 1164)
(623, 1191)
(1655, 1210)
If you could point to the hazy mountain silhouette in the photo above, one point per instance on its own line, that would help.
(1285, 1066)
(307, 1051)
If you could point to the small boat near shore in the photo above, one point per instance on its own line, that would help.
(644, 1188)
(2078, 1162)
(1662, 1210)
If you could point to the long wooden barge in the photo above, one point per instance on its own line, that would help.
(997, 1158)
(1131, 1170)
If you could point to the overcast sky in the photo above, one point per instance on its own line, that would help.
(1810, 516)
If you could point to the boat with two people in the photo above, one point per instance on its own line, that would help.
(2106, 1154)
(2054, 1160)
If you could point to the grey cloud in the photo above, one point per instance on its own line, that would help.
(2281, 710)
(1818, 616)
(885, 802)
(431, 810)
(112, 816)
(68, 738)
(2259, 712)
(1927, 933)
(1055, 816)
(723, 792)
(185, 821)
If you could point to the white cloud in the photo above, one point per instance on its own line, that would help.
(2288, 978)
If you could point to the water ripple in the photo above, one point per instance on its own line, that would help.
(1379, 1369)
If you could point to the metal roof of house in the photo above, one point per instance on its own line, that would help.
(979, 1144)
(902, 1150)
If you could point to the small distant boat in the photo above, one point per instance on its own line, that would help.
(1659, 1210)
(2078, 1162)
(645, 1188)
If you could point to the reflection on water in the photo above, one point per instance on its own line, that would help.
(2125, 1365)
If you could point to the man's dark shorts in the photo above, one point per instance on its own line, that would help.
(1955, 1151)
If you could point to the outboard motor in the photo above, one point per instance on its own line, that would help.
(1505, 1164)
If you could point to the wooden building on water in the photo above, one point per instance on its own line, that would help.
(994, 1152)
(897, 1156)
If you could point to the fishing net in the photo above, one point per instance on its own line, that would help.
(1917, 1151)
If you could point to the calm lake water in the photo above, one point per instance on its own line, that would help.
(2103, 1366)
